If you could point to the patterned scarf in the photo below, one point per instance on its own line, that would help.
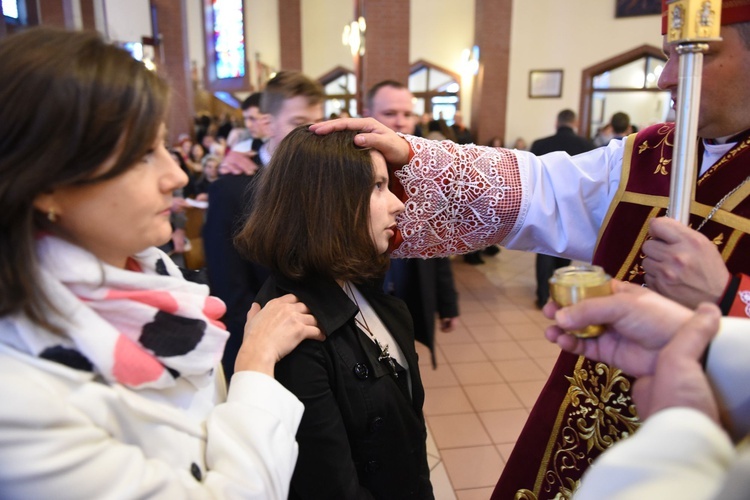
(142, 327)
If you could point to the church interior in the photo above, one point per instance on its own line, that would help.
(507, 66)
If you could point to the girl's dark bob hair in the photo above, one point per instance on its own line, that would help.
(311, 213)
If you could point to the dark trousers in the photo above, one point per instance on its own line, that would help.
(545, 268)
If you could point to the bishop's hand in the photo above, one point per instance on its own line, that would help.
(683, 264)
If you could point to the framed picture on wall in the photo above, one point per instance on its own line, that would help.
(545, 83)
(630, 8)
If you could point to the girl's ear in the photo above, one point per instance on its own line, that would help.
(45, 203)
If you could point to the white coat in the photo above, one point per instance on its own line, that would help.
(66, 434)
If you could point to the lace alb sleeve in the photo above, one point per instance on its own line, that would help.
(458, 198)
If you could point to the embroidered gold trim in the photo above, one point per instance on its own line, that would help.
(648, 200)
(596, 405)
(721, 216)
(553, 435)
(732, 220)
(624, 175)
(525, 495)
(730, 155)
(728, 250)
(637, 244)
(737, 197)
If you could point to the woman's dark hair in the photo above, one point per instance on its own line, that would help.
(311, 215)
(70, 101)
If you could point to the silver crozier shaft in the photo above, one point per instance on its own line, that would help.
(691, 25)
(684, 165)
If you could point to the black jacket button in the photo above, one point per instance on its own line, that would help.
(196, 471)
(372, 466)
(376, 424)
(361, 371)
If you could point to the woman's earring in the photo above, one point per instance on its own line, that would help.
(51, 215)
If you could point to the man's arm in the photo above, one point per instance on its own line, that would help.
(461, 198)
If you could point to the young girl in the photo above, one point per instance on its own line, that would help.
(322, 222)
(108, 357)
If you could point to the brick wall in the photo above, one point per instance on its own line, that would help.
(56, 13)
(87, 14)
(290, 34)
(490, 96)
(387, 42)
(172, 19)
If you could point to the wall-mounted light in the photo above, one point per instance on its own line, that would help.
(354, 36)
(470, 61)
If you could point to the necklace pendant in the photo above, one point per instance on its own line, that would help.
(384, 354)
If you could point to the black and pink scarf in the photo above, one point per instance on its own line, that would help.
(142, 327)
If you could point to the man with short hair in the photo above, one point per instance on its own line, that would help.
(289, 99)
(391, 103)
(620, 125)
(255, 121)
(241, 157)
(426, 285)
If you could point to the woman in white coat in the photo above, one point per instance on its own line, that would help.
(108, 356)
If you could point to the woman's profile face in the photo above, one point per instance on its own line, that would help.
(384, 205)
(119, 217)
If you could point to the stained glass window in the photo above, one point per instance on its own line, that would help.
(229, 38)
(10, 8)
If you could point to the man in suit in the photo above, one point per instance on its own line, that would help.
(565, 139)
(289, 99)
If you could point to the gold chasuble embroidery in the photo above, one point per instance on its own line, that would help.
(586, 406)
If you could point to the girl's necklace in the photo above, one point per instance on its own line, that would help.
(362, 324)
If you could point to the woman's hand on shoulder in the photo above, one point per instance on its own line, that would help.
(273, 332)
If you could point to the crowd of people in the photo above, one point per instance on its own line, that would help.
(292, 373)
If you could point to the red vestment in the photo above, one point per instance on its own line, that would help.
(586, 406)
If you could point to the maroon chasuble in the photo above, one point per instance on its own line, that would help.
(586, 406)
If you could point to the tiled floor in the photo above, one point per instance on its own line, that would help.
(490, 371)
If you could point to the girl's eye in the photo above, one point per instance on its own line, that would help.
(379, 186)
(148, 156)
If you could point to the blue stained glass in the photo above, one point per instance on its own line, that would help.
(229, 38)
